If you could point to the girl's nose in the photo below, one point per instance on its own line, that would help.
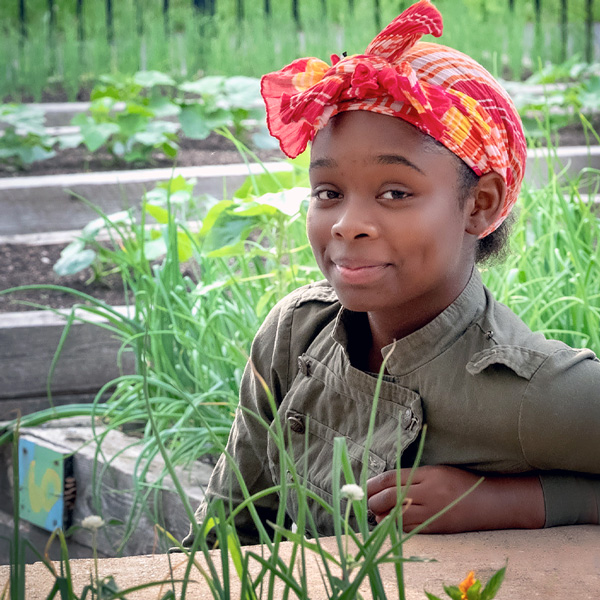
(353, 222)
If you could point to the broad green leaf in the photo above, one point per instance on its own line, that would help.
(176, 184)
(132, 123)
(212, 216)
(150, 138)
(210, 85)
(253, 209)
(119, 149)
(151, 78)
(154, 249)
(74, 247)
(184, 247)
(170, 149)
(194, 123)
(95, 136)
(163, 107)
(242, 91)
(103, 105)
(93, 227)
(81, 120)
(473, 591)
(263, 140)
(218, 118)
(74, 262)
(71, 140)
(287, 201)
(35, 153)
(453, 592)
(493, 585)
(231, 250)
(160, 214)
(135, 108)
(228, 230)
(265, 183)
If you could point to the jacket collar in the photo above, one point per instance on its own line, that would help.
(422, 346)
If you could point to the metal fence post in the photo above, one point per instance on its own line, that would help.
(377, 15)
(79, 13)
(165, 10)
(564, 30)
(589, 26)
(110, 34)
(23, 18)
(207, 6)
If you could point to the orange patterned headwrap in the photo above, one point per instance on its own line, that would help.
(442, 92)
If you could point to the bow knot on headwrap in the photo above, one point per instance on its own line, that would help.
(441, 91)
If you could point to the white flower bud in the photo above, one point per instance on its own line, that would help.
(352, 491)
(92, 522)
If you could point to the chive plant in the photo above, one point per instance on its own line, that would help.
(195, 312)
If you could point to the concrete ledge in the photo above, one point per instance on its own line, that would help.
(548, 564)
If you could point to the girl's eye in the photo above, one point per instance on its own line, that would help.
(325, 195)
(395, 195)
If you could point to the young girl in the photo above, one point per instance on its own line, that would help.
(417, 158)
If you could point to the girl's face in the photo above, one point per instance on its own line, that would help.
(385, 221)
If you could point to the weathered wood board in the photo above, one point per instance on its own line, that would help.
(28, 342)
(51, 202)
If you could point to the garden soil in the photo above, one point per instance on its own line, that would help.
(22, 264)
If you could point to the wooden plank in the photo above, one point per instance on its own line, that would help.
(28, 342)
(49, 203)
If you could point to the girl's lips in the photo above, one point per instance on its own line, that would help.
(360, 275)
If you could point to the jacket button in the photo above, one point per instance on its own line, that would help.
(406, 418)
(296, 423)
(304, 366)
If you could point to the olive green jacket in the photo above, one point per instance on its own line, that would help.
(495, 396)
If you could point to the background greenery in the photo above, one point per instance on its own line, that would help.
(58, 53)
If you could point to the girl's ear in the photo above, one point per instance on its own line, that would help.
(487, 200)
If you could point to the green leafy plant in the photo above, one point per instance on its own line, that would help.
(112, 242)
(128, 132)
(232, 102)
(471, 588)
(24, 139)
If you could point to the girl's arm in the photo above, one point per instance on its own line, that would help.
(498, 502)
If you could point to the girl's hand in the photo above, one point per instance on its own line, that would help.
(498, 502)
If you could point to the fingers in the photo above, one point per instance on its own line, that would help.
(388, 479)
(382, 491)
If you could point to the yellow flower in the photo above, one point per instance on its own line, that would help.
(466, 584)
(314, 72)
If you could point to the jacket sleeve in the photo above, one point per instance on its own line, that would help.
(559, 429)
(245, 456)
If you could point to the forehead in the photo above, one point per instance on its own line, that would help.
(363, 136)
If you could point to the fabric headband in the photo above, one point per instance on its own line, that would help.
(442, 92)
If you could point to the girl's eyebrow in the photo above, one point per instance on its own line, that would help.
(382, 159)
(396, 159)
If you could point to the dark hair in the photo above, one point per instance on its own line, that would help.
(494, 246)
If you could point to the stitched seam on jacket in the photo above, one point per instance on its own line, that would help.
(523, 395)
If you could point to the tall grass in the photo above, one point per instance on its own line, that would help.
(190, 43)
